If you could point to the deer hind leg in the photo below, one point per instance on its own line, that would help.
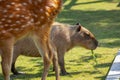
(55, 60)
(43, 50)
(51, 55)
(7, 53)
(46, 52)
(55, 65)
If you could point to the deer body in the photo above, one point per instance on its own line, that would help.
(23, 18)
(64, 37)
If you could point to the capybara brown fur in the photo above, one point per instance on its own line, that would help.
(64, 37)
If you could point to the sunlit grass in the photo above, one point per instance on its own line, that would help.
(101, 17)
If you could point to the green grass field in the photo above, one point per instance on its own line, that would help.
(102, 18)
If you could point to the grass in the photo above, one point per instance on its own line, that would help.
(101, 17)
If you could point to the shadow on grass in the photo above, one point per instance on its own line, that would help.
(101, 77)
(27, 76)
(88, 58)
(102, 65)
(104, 24)
(74, 3)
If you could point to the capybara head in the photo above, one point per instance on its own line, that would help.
(83, 37)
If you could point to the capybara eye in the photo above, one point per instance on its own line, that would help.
(87, 36)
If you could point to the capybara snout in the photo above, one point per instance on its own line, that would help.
(95, 44)
(85, 38)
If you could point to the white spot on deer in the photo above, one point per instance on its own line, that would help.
(32, 20)
(9, 21)
(3, 19)
(28, 23)
(6, 25)
(18, 9)
(43, 26)
(27, 17)
(35, 15)
(41, 10)
(51, 4)
(16, 29)
(18, 22)
(23, 16)
(11, 16)
(37, 23)
(3, 31)
(13, 25)
(23, 9)
(42, 17)
(23, 26)
(48, 19)
(12, 3)
(25, 4)
(47, 13)
(47, 7)
(5, 11)
(17, 15)
(8, 6)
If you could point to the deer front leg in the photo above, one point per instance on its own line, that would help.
(7, 53)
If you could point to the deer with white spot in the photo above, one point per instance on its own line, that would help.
(28, 18)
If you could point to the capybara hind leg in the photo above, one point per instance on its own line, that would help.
(13, 69)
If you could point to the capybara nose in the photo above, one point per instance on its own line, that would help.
(96, 42)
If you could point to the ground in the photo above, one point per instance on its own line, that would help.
(101, 17)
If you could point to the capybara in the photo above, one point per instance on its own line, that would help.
(23, 18)
(64, 37)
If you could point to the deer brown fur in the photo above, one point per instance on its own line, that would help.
(23, 18)
(64, 37)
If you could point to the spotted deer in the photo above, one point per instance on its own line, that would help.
(27, 18)
(64, 37)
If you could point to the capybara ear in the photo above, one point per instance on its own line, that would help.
(78, 27)
(78, 24)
